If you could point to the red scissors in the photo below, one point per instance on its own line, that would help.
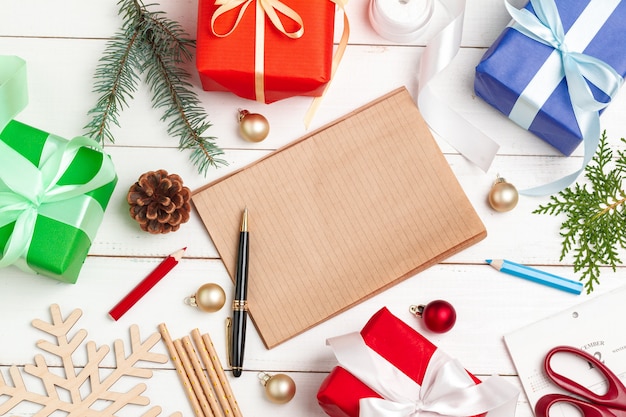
(610, 404)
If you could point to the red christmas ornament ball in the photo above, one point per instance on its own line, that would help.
(439, 316)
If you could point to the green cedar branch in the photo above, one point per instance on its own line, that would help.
(595, 226)
(150, 44)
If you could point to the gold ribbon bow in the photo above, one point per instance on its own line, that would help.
(266, 7)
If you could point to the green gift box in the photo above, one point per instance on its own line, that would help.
(53, 193)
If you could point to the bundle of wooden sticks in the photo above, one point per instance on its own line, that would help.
(207, 389)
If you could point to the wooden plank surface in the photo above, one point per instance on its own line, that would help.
(61, 40)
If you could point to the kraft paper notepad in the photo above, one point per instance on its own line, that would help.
(339, 216)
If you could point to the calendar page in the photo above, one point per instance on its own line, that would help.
(593, 326)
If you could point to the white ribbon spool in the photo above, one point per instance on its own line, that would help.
(400, 21)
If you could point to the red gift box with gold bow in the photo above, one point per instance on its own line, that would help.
(388, 369)
(265, 50)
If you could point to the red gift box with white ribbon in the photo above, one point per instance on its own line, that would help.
(389, 369)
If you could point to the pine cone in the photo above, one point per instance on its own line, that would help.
(159, 202)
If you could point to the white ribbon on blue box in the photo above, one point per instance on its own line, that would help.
(554, 70)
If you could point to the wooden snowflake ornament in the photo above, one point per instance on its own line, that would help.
(85, 386)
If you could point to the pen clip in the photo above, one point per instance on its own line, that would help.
(229, 333)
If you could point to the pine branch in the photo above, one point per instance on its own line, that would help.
(116, 82)
(150, 43)
(595, 226)
(170, 88)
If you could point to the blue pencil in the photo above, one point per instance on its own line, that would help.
(536, 275)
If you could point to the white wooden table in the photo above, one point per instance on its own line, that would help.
(62, 42)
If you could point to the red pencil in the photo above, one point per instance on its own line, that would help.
(146, 284)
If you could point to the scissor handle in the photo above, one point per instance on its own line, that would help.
(542, 408)
(615, 395)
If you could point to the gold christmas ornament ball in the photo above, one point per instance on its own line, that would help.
(279, 388)
(253, 127)
(503, 196)
(209, 298)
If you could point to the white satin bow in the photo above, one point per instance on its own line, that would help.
(446, 390)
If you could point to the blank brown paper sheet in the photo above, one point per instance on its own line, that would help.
(339, 216)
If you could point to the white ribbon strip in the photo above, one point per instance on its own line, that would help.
(446, 390)
(468, 140)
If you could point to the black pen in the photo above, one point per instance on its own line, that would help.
(240, 304)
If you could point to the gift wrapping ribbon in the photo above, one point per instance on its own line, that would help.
(446, 389)
(440, 50)
(467, 139)
(341, 48)
(269, 8)
(27, 191)
(13, 88)
(566, 62)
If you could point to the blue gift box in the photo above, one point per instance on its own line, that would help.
(515, 60)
